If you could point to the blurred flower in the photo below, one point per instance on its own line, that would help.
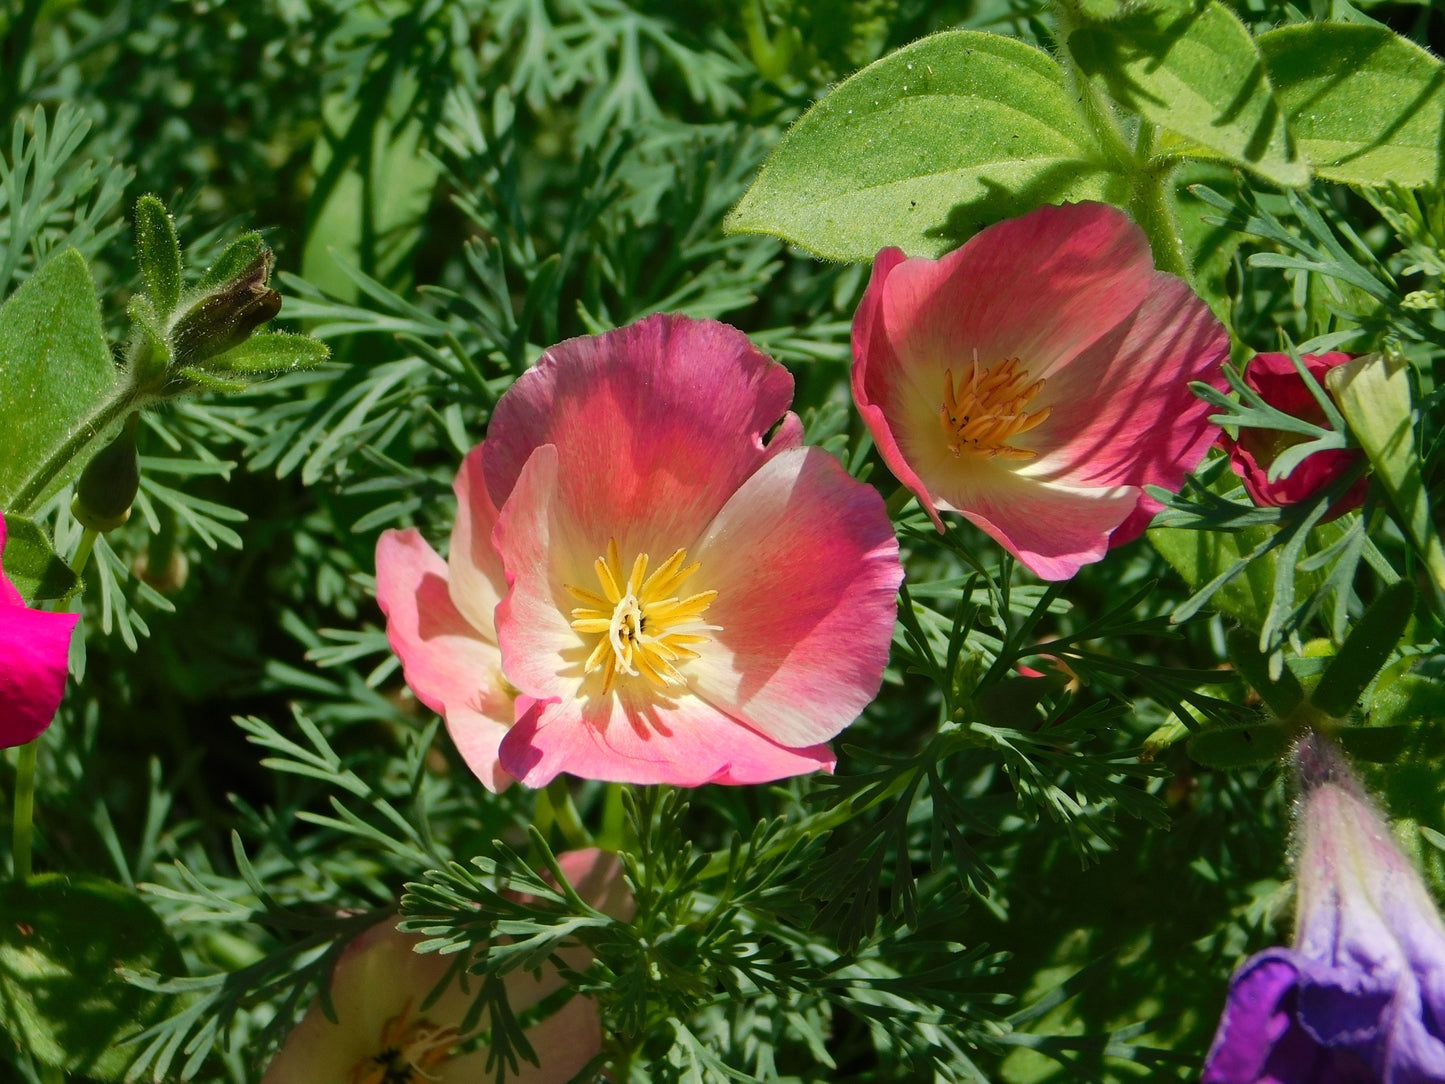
(1361, 995)
(34, 659)
(439, 623)
(383, 1035)
(687, 602)
(1036, 379)
(1274, 377)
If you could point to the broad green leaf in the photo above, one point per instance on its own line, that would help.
(31, 563)
(1365, 105)
(375, 196)
(1365, 650)
(270, 353)
(924, 147)
(1281, 695)
(1406, 693)
(159, 254)
(1199, 556)
(63, 942)
(1198, 74)
(55, 369)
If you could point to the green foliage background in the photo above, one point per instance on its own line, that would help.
(1002, 882)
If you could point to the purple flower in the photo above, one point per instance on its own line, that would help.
(1361, 995)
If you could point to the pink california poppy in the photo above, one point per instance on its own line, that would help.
(382, 1032)
(1037, 379)
(1274, 377)
(439, 623)
(34, 660)
(688, 601)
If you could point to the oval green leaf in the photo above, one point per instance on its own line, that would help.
(1198, 74)
(1365, 105)
(924, 147)
(31, 563)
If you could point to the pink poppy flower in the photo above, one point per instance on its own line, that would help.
(1036, 379)
(34, 659)
(688, 602)
(439, 623)
(382, 1033)
(1274, 377)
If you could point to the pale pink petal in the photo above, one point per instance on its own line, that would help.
(34, 660)
(1053, 530)
(806, 567)
(635, 736)
(655, 424)
(541, 653)
(564, 1043)
(477, 581)
(450, 666)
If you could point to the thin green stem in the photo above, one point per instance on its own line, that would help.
(83, 551)
(559, 794)
(24, 826)
(1151, 202)
(77, 442)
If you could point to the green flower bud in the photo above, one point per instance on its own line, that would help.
(227, 316)
(109, 482)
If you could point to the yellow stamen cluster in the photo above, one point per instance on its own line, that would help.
(635, 618)
(409, 1050)
(984, 409)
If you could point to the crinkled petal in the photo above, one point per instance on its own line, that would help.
(1256, 1017)
(451, 666)
(655, 425)
(638, 736)
(477, 582)
(806, 567)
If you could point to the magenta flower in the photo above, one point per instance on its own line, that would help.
(688, 602)
(1036, 379)
(34, 659)
(1360, 997)
(439, 623)
(1274, 377)
(382, 1034)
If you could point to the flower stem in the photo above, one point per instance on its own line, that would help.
(899, 501)
(82, 552)
(24, 826)
(559, 796)
(1151, 203)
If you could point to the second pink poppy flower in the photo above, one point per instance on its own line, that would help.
(1036, 379)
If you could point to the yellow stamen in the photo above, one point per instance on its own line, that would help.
(984, 409)
(409, 1048)
(643, 627)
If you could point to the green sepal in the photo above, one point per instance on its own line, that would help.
(64, 943)
(31, 563)
(190, 378)
(1281, 695)
(159, 254)
(1365, 650)
(270, 353)
(239, 255)
(1240, 746)
(1375, 744)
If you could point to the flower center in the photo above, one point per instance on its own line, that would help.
(643, 627)
(409, 1048)
(984, 409)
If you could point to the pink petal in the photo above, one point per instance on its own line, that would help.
(450, 666)
(34, 659)
(564, 1043)
(635, 736)
(477, 581)
(655, 424)
(806, 567)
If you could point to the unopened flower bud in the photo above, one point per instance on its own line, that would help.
(227, 317)
(109, 482)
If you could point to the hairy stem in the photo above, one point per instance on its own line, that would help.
(83, 436)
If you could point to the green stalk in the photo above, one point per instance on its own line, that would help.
(24, 827)
(559, 796)
(898, 501)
